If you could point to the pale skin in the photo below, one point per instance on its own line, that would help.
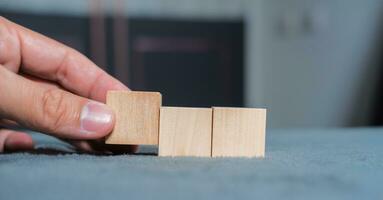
(49, 87)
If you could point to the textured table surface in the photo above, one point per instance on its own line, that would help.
(299, 164)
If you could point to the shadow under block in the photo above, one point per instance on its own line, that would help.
(238, 132)
(185, 132)
(137, 117)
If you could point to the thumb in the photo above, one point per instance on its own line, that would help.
(52, 110)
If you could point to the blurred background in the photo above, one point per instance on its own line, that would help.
(311, 63)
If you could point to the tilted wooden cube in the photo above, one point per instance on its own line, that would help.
(137, 117)
(238, 132)
(185, 131)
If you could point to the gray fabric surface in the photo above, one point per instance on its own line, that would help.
(299, 164)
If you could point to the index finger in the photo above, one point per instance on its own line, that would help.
(48, 59)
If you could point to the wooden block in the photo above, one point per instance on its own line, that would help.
(137, 117)
(185, 132)
(238, 132)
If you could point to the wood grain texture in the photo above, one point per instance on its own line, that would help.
(185, 131)
(137, 117)
(238, 132)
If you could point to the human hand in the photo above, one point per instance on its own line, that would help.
(49, 87)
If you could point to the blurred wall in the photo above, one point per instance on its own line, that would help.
(310, 62)
(313, 61)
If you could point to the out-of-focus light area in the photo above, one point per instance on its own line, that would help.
(310, 63)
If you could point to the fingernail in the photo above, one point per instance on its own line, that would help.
(96, 118)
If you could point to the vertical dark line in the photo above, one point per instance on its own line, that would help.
(120, 42)
(159, 127)
(211, 135)
(97, 33)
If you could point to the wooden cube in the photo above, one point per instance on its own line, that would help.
(137, 117)
(185, 131)
(238, 132)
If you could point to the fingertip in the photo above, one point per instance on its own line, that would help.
(18, 141)
(104, 84)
